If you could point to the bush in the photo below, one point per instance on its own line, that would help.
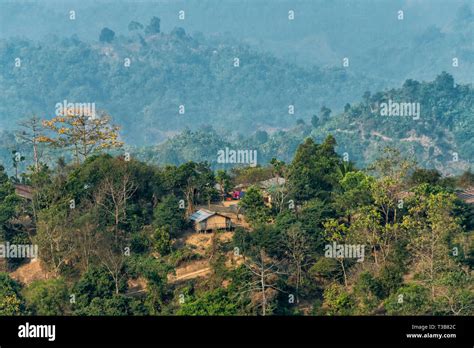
(11, 301)
(366, 291)
(183, 255)
(47, 297)
(410, 300)
(216, 302)
(338, 301)
(106, 35)
(162, 241)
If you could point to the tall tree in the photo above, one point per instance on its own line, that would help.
(253, 205)
(224, 181)
(298, 251)
(153, 27)
(336, 232)
(262, 286)
(9, 204)
(114, 192)
(55, 238)
(313, 171)
(106, 35)
(82, 133)
(31, 131)
(431, 225)
(169, 216)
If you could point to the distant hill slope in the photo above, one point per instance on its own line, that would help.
(442, 137)
(166, 71)
(370, 32)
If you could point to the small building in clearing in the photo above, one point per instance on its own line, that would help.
(24, 191)
(467, 195)
(269, 187)
(205, 220)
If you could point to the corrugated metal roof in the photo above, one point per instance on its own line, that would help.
(276, 181)
(201, 214)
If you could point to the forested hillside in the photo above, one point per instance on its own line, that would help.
(157, 84)
(441, 137)
(174, 81)
(369, 32)
(236, 158)
(115, 236)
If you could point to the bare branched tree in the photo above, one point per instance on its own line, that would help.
(262, 286)
(298, 250)
(30, 133)
(113, 195)
(112, 257)
(55, 240)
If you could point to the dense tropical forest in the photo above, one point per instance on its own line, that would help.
(445, 127)
(153, 83)
(236, 158)
(369, 32)
(114, 234)
(243, 87)
(440, 138)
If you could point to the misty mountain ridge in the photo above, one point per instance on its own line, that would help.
(168, 71)
(156, 84)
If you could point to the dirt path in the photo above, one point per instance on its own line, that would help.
(192, 270)
(198, 273)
